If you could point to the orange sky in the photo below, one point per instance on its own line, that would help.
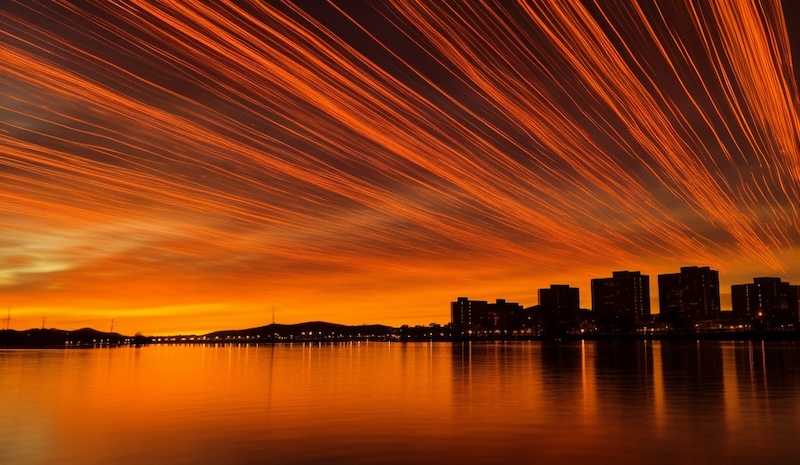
(188, 168)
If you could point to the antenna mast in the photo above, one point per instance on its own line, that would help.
(273, 314)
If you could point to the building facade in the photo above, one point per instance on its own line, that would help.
(622, 300)
(466, 313)
(766, 301)
(560, 302)
(692, 294)
(481, 315)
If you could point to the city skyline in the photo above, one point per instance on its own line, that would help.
(689, 303)
(641, 283)
(187, 167)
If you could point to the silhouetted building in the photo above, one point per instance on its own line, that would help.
(794, 301)
(465, 313)
(767, 301)
(481, 315)
(503, 315)
(560, 302)
(692, 294)
(622, 300)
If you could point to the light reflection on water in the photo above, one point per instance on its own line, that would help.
(576, 402)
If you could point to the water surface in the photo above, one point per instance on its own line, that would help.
(390, 403)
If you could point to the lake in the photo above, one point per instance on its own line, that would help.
(622, 402)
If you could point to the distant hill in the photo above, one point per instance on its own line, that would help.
(59, 338)
(312, 330)
(88, 337)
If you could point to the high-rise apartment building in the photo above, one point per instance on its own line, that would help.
(465, 313)
(479, 314)
(621, 300)
(691, 294)
(768, 300)
(560, 302)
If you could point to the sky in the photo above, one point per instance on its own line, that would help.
(194, 166)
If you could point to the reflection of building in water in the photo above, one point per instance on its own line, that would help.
(767, 301)
(622, 300)
(626, 364)
(490, 381)
(627, 371)
(762, 367)
(689, 368)
(481, 315)
(562, 360)
(568, 376)
(692, 294)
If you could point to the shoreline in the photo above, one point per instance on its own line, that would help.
(721, 337)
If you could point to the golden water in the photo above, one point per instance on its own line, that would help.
(390, 403)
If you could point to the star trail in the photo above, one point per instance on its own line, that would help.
(188, 166)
